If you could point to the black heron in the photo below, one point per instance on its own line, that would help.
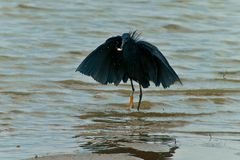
(126, 57)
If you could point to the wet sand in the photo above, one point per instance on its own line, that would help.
(89, 156)
(86, 156)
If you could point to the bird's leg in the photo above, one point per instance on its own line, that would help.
(131, 103)
(140, 97)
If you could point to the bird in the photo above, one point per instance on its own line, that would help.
(127, 57)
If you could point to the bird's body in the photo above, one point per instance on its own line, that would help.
(126, 57)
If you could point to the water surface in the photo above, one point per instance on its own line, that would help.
(48, 108)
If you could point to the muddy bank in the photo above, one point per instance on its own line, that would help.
(86, 156)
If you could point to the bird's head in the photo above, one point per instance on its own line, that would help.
(125, 37)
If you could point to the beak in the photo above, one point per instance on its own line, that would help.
(121, 47)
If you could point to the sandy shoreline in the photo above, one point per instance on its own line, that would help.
(86, 156)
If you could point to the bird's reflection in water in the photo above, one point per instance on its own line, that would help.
(147, 147)
(139, 134)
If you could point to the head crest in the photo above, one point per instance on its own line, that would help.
(135, 35)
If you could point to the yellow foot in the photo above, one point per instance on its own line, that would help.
(131, 104)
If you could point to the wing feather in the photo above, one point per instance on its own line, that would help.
(104, 63)
(156, 66)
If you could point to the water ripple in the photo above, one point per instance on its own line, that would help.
(44, 102)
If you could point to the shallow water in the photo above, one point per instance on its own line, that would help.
(48, 108)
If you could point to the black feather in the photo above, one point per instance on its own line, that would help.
(104, 63)
(156, 67)
(126, 57)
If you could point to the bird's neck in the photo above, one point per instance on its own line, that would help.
(129, 49)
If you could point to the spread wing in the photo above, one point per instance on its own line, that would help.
(155, 66)
(104, 63)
